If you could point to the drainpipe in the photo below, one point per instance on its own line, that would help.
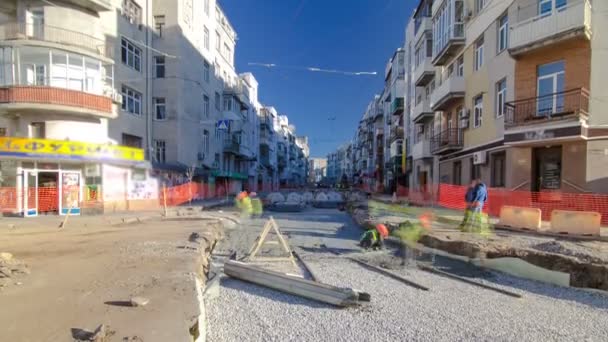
(147, 81)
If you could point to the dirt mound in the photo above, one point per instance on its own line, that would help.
(11, 269)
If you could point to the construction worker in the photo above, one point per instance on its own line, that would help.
(257, 208)
(243, 202)
(374, 238)
(469, 197)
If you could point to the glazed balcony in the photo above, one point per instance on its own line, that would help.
(52, 36)
(554, 25)
(50, 99)
(397, 106)
(396, 133)
(424, 73)
(422, 150)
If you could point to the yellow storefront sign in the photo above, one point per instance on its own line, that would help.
(45, 148)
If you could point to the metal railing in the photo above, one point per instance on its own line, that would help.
(53, 34)
(448, 139)
(556, 106)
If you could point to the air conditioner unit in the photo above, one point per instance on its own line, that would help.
(479, 158)
(116, 98)
(464, 123)
(464, 113)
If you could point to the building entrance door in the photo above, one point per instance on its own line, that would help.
(30, 193)
(547, 169)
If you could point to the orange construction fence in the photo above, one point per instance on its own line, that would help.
(452, 197)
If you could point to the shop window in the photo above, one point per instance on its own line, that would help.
(37, 130)
(3, 132)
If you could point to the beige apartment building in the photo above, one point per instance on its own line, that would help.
(517, 95)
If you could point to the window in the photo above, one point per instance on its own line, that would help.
(227, 103)
(478, 54)
(160, 150)
(550, 87)
(130, 54)
(218, 99)
(159, 66)
(501, 95)
(475, 170)
(37, 130)
(218, 41)
(160, 108)
(206, 142)
(460, 66)
(3, 132)
(206, 107)
(503, 33)
(206, 38)
(131, 100)
(131, 11)
(498, 169)
(478, 111)
(545, 7)
(131, 140)
(206, 71)
(457, 174)
(479, 5)
(159, 23)
(206, 5)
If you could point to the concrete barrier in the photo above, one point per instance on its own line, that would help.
(586, 223)
(520, 218)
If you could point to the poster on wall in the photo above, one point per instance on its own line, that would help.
(70, 193)
(114, 183)
(146, 189)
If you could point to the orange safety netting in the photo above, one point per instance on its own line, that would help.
(48, 199)
(9, 199)
(180, 194)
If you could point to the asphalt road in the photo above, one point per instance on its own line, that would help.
(450, 311)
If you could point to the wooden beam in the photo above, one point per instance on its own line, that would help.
(292, 285)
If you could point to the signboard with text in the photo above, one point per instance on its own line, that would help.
(46, 148)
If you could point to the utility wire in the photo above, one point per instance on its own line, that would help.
(314, 69)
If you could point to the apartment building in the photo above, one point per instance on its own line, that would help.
(393, 101)
(555, 129)
(317, 170)
(59, 98)
(269, 154)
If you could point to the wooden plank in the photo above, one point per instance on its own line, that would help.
(312, 275)
(292, 285)
(390, 275)
(468, 281)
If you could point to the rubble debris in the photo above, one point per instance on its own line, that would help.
(4, 256)
(101, 334)
(139, 301)
(341, 297)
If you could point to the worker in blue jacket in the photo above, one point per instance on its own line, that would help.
(469, 197)
(480, 197)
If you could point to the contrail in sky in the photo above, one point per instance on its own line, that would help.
(315, 69)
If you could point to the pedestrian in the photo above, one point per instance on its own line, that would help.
(468, 199)
(480, 197)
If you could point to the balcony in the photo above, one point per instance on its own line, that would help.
(56, 35)
(265, 138)
(448, 45)
(379, 114)
(397, 106)
(543, 117)
(426, 24)
(51, 99)
(449, 91)
(265, 160)
(396, 148)
(422, 150)
(565, 22)
(232, 145)
(94, 5)
(422, 112)
(447, 141)
(424, 73)
(396, 133)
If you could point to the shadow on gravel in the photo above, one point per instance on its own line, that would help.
(269, 293)
(580, 296)
(120, 303)
(332, 250)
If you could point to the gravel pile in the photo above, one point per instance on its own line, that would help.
(11, 269)
(451, 311)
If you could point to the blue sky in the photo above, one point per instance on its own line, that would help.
(349, 35)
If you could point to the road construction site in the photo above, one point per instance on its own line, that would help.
(407, 302)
